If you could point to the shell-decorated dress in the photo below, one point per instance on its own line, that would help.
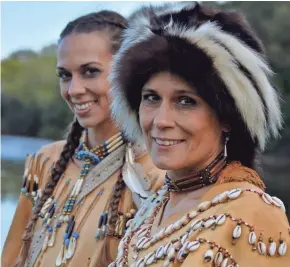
(235, 224)
(48, 246)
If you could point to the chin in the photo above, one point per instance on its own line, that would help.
(163, 163)
(90, 122)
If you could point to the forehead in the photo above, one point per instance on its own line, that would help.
(80, 48)
(167, 81)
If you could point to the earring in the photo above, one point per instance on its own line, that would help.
(226, 141)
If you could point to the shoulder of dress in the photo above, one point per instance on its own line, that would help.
(52, 150)
(247, 226)
(38, 167)
(236, 172)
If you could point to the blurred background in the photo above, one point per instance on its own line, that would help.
(33, 114)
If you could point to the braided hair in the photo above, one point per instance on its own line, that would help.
(113, 24)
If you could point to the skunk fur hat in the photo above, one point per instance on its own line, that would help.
(216, 52)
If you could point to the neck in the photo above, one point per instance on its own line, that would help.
(98, 135)
(191, 196)
(180, 173)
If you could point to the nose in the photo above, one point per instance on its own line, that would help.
(164, 117)
(76, 87)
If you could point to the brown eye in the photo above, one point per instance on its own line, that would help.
(64, 75)
(150, 98)
(187, 101)
(91, 72)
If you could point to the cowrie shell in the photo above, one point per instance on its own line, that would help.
(204, 206)
(267, 198)
(252, 238)
(237, 232)
(262, 248)
(209, 223)
(218, 258)
(196, 224)
(223, 197)
(193, 214)
(208, 255)
(220, 219)
(282, 249)
(279, 203)
(150, 258)
(193, 245)
(235, 193)
(272, 248)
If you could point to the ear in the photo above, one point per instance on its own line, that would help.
(226, 128)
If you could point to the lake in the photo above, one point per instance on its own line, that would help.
(13, 154)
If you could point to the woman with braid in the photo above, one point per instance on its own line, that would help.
(78, 194)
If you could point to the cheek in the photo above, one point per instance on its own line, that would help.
(64, 91)
(145, 118)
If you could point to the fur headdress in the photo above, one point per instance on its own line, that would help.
(214, 51)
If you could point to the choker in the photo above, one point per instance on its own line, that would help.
(194, 181)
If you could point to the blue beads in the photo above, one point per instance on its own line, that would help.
(23, 190)
(50, 229)
(75, 235)
(66, 242)
(65, 236)
(58, 225)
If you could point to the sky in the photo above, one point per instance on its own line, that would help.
(33, 25)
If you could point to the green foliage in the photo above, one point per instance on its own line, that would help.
(31, 102)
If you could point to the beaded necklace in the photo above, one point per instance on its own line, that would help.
(49, 211)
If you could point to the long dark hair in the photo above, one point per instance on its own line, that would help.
(112, 23)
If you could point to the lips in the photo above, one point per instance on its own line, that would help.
(167, 142)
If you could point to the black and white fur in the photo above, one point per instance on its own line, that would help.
(235, 54)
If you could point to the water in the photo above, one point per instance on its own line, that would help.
(13, 154)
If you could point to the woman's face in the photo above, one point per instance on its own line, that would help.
(181, 130)
(83, 64)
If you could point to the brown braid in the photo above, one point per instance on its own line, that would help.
(119, 187)
(72, 143)
(114, 203)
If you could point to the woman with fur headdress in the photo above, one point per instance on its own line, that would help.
(194, 82)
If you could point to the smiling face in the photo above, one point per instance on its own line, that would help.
(83, 65)
(181, 130)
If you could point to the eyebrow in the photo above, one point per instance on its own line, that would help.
(178, 91)
(82, 66)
